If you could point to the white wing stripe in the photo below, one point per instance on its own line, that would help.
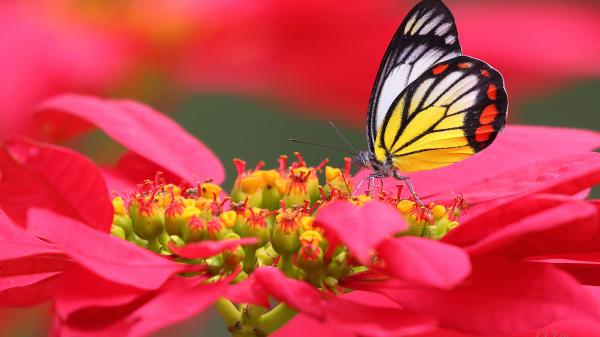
(428, 27)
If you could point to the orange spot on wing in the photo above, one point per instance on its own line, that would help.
(491, 92)
(440, 69)
(465, 65)
(484, 133)
(485, 73)
(489, 114)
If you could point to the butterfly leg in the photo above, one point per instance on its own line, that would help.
(359, 185)
(410, 186)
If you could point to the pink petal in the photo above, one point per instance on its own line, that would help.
(41, 175)
(298, 295)
(79, 289)
(15, 242)
(204, 249)
(503, 296)
(35, 290)
(109, 257)
(159, 313)
(304, 325)
(249, 291)
(176, 301)
(361, 228)
(370, 320)
(511, 155)
(424, 262)
(568, 227)
(568, 174)
(139, 128)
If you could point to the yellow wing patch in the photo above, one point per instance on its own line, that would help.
(448, 114)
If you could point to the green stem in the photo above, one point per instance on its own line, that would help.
(249, 259)
(231, 315)
(286, 265)
(276, 318)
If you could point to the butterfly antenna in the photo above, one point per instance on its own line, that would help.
(339, 133)
(320, 145)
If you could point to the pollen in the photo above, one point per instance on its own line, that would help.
(210, 190)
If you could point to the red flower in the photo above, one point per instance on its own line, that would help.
(44, 57)
(493, 273)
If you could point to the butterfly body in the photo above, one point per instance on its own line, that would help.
(431, 106)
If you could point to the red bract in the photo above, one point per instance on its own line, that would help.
(519, 162)
(43, 175)
(55, 57)
(139, 128)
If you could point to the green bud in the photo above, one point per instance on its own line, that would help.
(149, 224)
(194, 230)
(285, 242)
(117, 231)
(124, 222)
(271, 198)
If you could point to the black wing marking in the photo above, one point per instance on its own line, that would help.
(427, 36)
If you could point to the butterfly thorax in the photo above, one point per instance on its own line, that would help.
(367, 159)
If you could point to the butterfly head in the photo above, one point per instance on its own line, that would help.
(367, 159)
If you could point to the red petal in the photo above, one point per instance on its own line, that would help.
(514, 151)
(249, 291)
(298, 295)
(568, 227)
(79, 288)
(176, 301)
(529, 225)
(108, 256)
(204, 249)
(370, 320)
(41, 175)
(16, 242)
(503, 297)
(137, 127)
(425, 262)
(566, 174)
(361, 228)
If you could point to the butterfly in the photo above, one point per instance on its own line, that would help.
(431, 106)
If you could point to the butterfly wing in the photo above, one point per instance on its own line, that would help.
(427, 36)
(452, 111)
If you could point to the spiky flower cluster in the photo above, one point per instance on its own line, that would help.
(276, 208)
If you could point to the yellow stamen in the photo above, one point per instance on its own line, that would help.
(439, 211)
(331, 173)
(405, 206)
(229, 218)
(191, 211)
(250, 184)
(119, 206)
(310, 237)
(270, 177)
(282, 186)
(307, 222)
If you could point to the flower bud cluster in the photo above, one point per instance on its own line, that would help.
(276, 208)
